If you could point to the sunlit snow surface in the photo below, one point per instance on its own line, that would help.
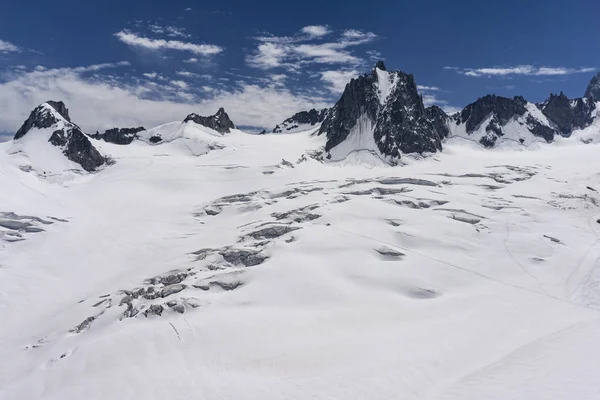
(469, 274)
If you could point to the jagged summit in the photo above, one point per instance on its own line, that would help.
(380, 112)
(593, 90)
(568, 114)
(44, 116)
(302, 121)
(50, 122)
(380, 65)
(219, 122)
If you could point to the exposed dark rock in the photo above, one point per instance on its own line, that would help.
(439, 119)
(593, 90)
(399, 121)
(119, 135)
(155, 139)
(568, 114)
(78, 148)
(312, 118)
(219, 122)
(75, 145)
(503, 109)
(42, 118)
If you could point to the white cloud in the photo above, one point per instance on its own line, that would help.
(428, 88)
(337, 80)
(168, 30)
(187, 74)
(98, 103)
(188, 9)
(269, 55)
(278, 79)
(191, 60)
(525, 70)
(133, 39)
(150, 75)
(294, 52)
(7, 47)
(316, 30)
(179, 84)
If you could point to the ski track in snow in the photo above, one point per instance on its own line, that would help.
(250, 271)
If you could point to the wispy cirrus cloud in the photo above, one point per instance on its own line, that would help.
(135, 40)
(8, 47)
(525, 70)
(169, 30)
(308, 47)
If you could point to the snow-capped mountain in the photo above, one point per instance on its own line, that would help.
(219, 122)
(302, 121)
(382, 114)
(492, 119)
(52, 143)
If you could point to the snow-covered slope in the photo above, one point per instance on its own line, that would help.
(470, 274)
(49, 143)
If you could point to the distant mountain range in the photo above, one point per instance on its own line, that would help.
(381, 113)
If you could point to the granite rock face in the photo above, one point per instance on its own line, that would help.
(567, 114)
(219, 122)
(119, 135)
(491, 114)
(41, 118)
(593, 90)
(387, 106)
(75, 145)
(302, 120)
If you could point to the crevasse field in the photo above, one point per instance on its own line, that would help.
(207, 267)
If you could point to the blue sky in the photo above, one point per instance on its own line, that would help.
(118, 63)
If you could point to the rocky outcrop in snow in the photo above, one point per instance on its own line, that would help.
(302, 121)
(382, 112)
(593, 90)
(493, 118)
(51, 120)
(567, 114)
(119, 135)
(219, 122)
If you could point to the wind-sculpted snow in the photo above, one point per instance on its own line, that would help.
(467, 274)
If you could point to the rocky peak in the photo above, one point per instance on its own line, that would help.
(219, 122)
(60, 108)
(301, 120)
(387, 106)
(64, 134)
(380, 65)
(567, 114)
(44, 116)
(593, 90)
(502, 108)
